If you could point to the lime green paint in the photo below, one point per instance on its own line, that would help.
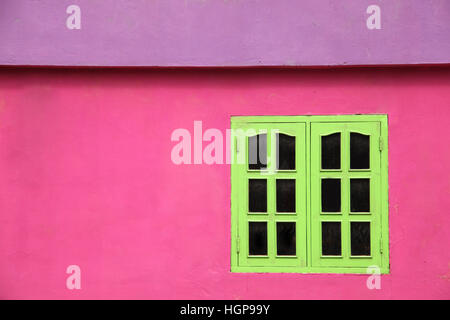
(308, 130)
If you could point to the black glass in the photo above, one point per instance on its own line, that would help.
(360, 238)
(360, 195)
(257, 238)
(331, 195)
(331, 238)
(285, 195)
(257, 195)
(331, 151)
(359, 151)
(286, 239)
(257, 152)
(286, 152)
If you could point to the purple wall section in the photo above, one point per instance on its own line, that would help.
(223, 33)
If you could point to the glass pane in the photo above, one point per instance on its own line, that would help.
(257, 195)
(359, 195)
(285, 238)
(286, 152)
(331, 151)
(360, 236)
(359, 151)
(331, 195)
(257, 152)
(331, 238)
(257, 238)
(285, 195)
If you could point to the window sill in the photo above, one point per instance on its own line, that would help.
(306, 270)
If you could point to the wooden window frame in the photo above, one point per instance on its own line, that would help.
(306, 259)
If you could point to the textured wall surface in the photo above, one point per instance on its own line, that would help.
(223, 32)
(87, 179)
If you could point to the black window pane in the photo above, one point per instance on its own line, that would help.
(286, 152)
(257, 152)
(331, 195)
(286, 238)
(331, 238)
(285, 195)
(359, 195)
(360, 238)
(257, 195)
(257, 238)
(331, 151)
(359, 151)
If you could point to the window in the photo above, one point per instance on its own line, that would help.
(309, 194)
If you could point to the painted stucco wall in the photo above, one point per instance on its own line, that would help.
(87, 179)
(223, 32)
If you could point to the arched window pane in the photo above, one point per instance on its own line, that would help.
(359, 151)
(257, 152)
(331, 151)
(286, 152)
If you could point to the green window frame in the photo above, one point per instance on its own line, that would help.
(322, 208)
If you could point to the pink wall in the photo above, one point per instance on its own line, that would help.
(86, 179)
